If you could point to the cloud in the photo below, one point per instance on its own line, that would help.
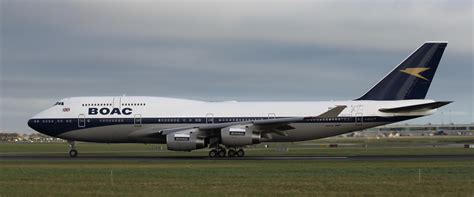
(331, 24)
(223, 50)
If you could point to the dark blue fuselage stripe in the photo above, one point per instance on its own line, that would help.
(54, 127)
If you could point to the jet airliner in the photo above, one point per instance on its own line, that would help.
(226, 128)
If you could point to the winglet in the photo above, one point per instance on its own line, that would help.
(334, 112)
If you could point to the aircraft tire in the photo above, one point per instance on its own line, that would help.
(240, 153)
(221, 153)
(231, 153)
(73, 153)
(213, 153)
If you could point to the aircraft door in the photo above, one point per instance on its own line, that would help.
(271, 116)
(117, 102)
(137, 120)
(81, 121)
(358, 113)
(359, 119)
(209, 118)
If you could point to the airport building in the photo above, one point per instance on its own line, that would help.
(395, 130)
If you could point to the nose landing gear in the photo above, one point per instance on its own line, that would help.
(73, 153)
(72, 149)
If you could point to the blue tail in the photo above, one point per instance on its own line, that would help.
(412, 78)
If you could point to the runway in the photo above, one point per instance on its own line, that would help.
(263, 158)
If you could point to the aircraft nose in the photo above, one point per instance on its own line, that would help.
(43, 127)
(32, 123)
(39, 126)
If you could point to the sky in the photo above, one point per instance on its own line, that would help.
(225, 50)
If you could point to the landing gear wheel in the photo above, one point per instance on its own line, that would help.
(72, 149)
(240, 153)
(213, 153)
(73, 153)
(221, 153)
(231, 153)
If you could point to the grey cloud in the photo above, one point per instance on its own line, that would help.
(327, 23)
(251, 50)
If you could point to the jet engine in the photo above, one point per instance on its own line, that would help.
(186, 140)
(239, 135)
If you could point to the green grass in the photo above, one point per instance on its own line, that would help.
(236, 178)
(72, 177)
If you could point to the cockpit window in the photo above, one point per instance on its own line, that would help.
(58, 103)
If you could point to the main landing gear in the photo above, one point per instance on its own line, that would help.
(221, 152)
(72, 149)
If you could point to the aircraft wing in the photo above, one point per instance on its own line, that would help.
(276, 125)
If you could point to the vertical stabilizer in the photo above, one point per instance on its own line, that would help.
(412, 78)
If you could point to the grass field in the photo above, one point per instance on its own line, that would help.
(241, 177)
(237, 178)
(347, 147)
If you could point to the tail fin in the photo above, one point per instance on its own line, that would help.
(412, 78)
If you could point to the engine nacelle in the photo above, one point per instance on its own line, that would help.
(186, 140)
(239, 135)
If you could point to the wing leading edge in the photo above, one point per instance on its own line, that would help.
(277, 125)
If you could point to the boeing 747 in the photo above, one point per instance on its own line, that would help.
(227, 127)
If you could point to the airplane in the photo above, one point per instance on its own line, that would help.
(227, 127)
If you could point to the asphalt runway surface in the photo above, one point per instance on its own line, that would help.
(262, 158)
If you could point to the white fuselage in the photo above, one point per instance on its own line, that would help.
(122, 119)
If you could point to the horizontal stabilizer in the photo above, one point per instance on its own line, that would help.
(426, 106)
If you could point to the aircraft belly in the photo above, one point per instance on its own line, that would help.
(123, 133)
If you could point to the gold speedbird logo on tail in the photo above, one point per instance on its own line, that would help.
(415, 72)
